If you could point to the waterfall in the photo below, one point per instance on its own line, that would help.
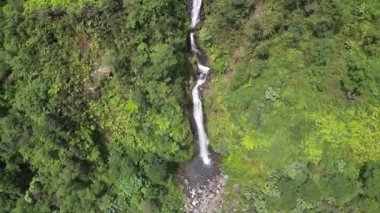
(203, 71)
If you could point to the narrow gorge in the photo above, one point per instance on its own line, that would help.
(202, 179)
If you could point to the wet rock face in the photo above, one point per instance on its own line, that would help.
(203, 186)
(196, 172)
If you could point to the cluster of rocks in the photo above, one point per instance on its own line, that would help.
(205, 197)
(91, 87)
(102, 71)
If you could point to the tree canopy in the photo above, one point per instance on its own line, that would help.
(95, 104)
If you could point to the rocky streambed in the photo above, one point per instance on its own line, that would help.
(203, 186)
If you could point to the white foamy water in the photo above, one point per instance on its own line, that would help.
(195, 12)
(194, 48)
(203, 70)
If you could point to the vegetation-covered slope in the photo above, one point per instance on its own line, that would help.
(94, 94)
(295, 104)
(91, 105)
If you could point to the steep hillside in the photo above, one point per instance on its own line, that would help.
(93, 103)
(294, 104)
(96, 106)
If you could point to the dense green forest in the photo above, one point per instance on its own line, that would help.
(95, 102)
(294, 107)
(92, 105)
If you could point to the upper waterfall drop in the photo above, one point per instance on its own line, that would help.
(195, 13)
(197, 102)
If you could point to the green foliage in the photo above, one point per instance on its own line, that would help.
(295, 116)
(35, 5)
(91, 102)
(93, 93)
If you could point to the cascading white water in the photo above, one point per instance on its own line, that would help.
(203, 71)
(195, 12)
